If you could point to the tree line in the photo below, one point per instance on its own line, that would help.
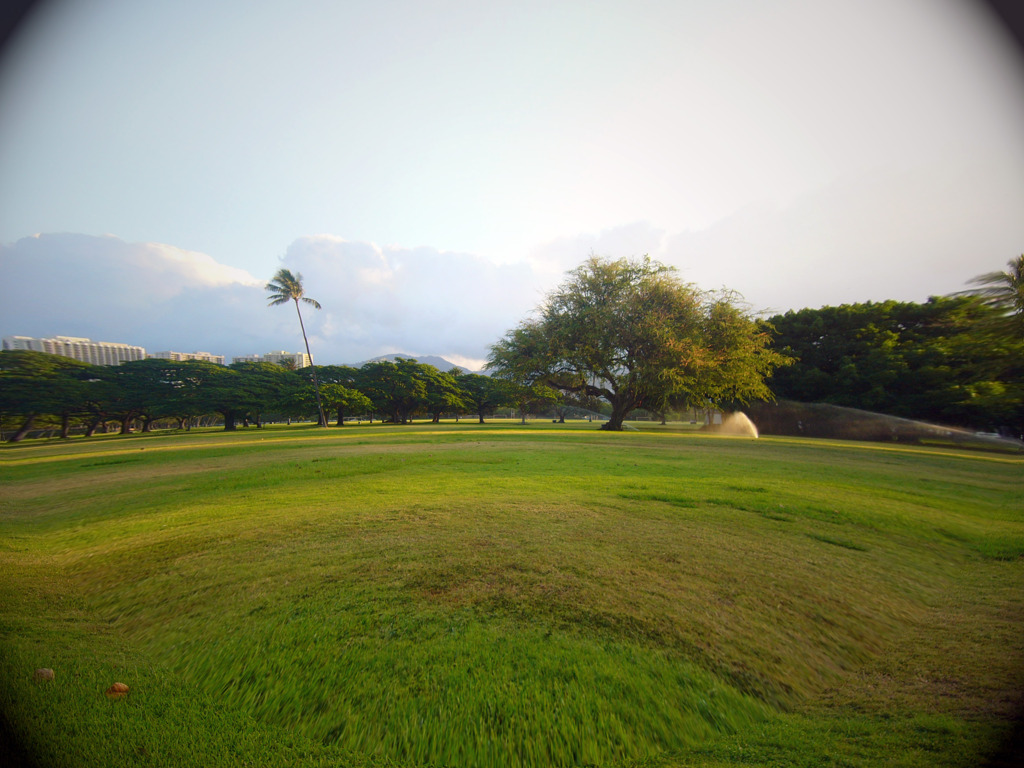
(616, 336)
(956, 360)
(37, 389)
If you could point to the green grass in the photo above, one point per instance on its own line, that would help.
(502, 595)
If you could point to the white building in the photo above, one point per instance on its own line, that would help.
(86, 350)
(180, 356)
(298, 359)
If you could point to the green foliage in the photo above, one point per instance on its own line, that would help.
(396, 389)
(483, 395)
(35, 383)
(1002, 292)
(934, 361)
(343, 400)
(286, 286)
(740, 357)
(265, 387)
(630, 333)
(443, 394)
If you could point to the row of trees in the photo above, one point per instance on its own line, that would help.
(618, 335)
(956, 360)
(38, 389)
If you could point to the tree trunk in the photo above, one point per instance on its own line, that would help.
(619, 412)
(481, 417)
(23, 430)
(316, 384)
(341, 417)
(65, 426)
(126, 425)
(229, 421)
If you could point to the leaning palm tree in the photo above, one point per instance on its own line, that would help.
(1003, 292)
(287, 287)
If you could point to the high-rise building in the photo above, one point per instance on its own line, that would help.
(297, 359)
(86, 350)
(180, 356)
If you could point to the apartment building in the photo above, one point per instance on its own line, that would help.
(181, 356)
(86, 350)
(296, 359)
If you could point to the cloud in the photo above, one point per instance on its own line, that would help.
(903, 233)
(149, 294)
(375, 299)
(633, 240)
(420, 300)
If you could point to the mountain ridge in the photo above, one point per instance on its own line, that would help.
(435, 360)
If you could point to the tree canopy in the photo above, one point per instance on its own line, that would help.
(630, 332)
(285, 287)
(937, 361)
(1002, 292)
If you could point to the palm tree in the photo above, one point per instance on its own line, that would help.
(1003, 292)
(287, 287)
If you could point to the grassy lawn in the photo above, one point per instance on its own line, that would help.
(501, 595)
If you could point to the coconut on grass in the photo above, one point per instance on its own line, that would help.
(117, 690)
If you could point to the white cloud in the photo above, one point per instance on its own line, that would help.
(380, 299)
(201, 268)
(151, 294)
(375, 299)
(904, 234)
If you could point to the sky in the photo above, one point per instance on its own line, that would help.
(433, 168)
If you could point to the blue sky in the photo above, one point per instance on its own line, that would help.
(433, 168)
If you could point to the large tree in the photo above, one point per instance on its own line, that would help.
(628, 332)
(481, 394)
(396, 389)
(443, 393)
(285, 287)
(344, 401)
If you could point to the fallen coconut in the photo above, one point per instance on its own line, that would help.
(44, 674)
(117, 690)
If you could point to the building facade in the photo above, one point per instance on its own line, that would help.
(86, 350)
(181, 356)
(288, 359)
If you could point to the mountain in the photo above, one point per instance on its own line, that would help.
(438, 362)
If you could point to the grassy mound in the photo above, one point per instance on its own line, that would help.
(478, 596)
